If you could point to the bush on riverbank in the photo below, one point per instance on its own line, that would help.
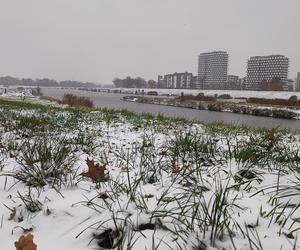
(225, 96)
(283, 114)
(214, 107)
(262, 112)
(77, 101)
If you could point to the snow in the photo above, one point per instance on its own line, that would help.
(233, 93)
(16, 93)
(131, 148)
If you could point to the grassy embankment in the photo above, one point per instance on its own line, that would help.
(187, 184)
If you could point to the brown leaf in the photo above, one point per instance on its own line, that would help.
(48, 211)
(176, 169)
(20, 218)
(25, 243)
(163, 152)
(12, 215)
(149, 196)
(290, 235)
(103, 196)
(147, 226)
(95, 172)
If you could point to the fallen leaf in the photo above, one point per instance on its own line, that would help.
(149, 196)
(103, 196)
(48, 211)
(12, 215)
(25, 243)
(290, 235)
(20, 218)
(147, 226)
(163, 152)
(95, 172)
(176, 169)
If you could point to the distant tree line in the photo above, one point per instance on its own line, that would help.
(137, 82)
(45, 82)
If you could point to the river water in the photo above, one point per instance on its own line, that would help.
(113, 101)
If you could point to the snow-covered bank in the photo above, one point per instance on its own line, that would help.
(233, 93)
(281, 112)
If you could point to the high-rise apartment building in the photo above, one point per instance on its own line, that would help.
(297, 82)
(265, 69)
(212, 70)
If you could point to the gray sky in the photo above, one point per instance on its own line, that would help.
(97, 40)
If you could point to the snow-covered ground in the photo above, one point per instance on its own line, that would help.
(233, 93)
(160, 184)
(14, 92)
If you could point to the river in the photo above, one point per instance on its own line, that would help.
(113, 101)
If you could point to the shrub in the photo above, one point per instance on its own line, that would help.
(262, 112)
(214, 107)
(224, 96)
(284, 114)
(236, 110)
(152, 93)
(77, 101)
(293, 98)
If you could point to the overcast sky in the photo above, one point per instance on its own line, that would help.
(97, 40)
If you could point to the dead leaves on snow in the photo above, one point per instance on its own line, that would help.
(96, 172)
(25, 243)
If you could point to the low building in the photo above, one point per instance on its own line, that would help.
(232, 79)
(161, 84)
(233, 82)
(176, 81)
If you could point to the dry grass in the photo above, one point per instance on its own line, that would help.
(277, 101)
(196, 98)
(77, 101)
